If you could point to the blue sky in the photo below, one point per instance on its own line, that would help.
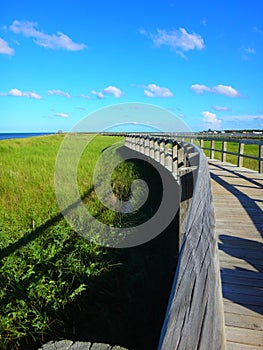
(62, 60)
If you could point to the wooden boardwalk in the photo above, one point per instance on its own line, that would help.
(238, 201)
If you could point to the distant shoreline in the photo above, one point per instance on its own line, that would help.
(22, 135)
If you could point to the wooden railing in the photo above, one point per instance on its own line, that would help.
(194, 317)
(224, 150)
(168, 152)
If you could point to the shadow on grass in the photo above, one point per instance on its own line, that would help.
(39, 230)
(125, 305)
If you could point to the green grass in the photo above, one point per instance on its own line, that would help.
(53, 283)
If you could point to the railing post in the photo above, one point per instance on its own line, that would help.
(148, 145)
(168, 156)
(240, 154)
(151, 147)
(144, 144)
(175, 158)
(260, 161)
(134, 142)
(162, 151)
(212, 152)
(157, 150)
(180, 158)
(137, 143)
(186, 175)
(201, 143)
(224, 149)
(166, 145)
(141, 144)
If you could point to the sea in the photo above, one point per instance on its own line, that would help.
(16, 135)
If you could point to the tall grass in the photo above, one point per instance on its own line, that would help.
(53, 283)
(44, 265)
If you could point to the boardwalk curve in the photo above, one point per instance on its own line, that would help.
(238, 203)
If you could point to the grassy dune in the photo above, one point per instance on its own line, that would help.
(53, 283)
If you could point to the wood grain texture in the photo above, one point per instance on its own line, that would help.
(78, 345)
(196, 306)
(238, 202)
(194, 318)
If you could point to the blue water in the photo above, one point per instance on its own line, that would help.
(16, 135)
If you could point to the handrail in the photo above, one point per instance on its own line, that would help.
(194, 317)
(240, 154)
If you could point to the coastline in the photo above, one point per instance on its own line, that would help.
(19, 135)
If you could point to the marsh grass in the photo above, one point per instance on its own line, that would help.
(53, 283)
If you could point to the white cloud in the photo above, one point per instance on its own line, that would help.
(59, 92)
(221, 108)
(32, 95)
(153, 90)
(15, 92)
(199, 88)
(53, 41)
(5, 48)
(62, 115)
(176, 39)
(98, 94)
(110, 90)
(113, 90)
(225, 90)
(218, 89)
(19, 93)
(210, 120)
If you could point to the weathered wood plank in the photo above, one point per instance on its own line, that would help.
(243, 321)
(238, 207)
(238, 346)
(195, 305)
(244, 309)
(245, 274)
(249, 336)
(78, 345)
(242, 281)
(242, 253)
(241, 298)
(229, 240)
(238, 201)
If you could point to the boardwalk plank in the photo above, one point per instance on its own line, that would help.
(244, 281)
(238, 203)
(244, 309)
(241, 289)
(243, 321)
(249, 336)
(241, 298)
(238, 346)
